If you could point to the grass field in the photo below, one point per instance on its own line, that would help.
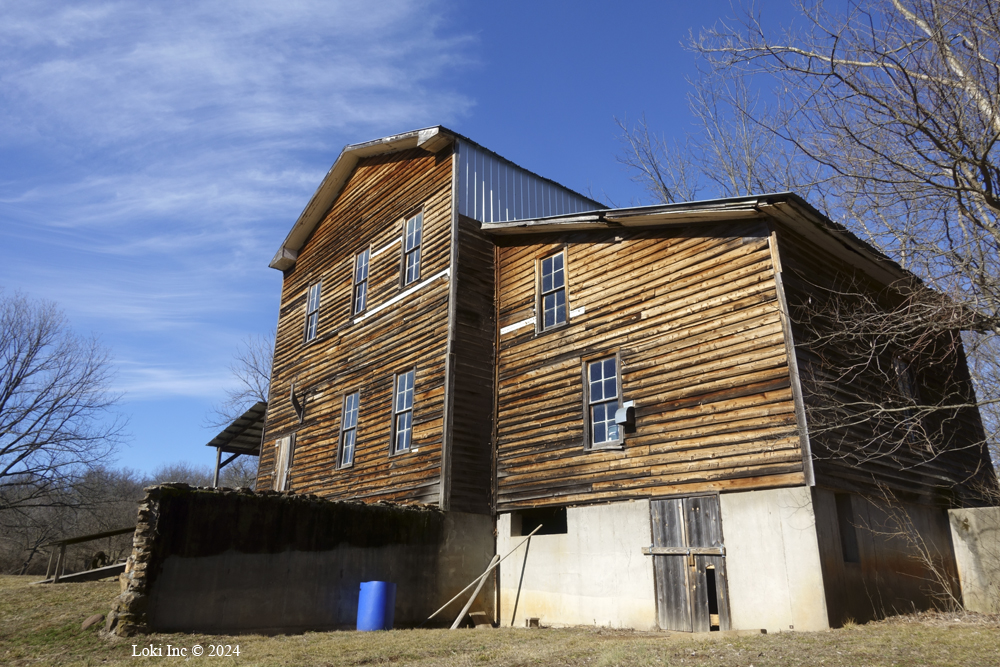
(40, 625)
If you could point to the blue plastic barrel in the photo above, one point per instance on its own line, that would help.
(376, 605)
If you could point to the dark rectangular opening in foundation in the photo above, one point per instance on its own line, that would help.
(551, 519)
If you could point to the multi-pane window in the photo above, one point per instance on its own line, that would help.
(602, 401)
(312, 311)
(349, 429)
(360, 294)
(411, 248)
(553, 291)
(402, 412)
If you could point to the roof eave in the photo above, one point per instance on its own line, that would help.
(432, 139)
(784, 207)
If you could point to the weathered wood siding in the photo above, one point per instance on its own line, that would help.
(471, 463)
(694, 316)
(851, 444)
(349, 355)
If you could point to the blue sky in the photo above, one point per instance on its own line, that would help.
(153, 155)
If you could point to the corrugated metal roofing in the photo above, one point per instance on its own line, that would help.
(492, 189)
(244, 435)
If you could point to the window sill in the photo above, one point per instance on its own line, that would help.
(618, 447)
(557, 327)
(404, 452)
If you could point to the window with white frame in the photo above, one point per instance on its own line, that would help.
(360, 292)
(603, 393)
(402, 412)
(349, 429)
(312, 311)
(283, 449)
(552, 291)
(411, 248)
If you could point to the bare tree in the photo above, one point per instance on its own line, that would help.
(887, 116)
(183, 472)
(664, 169)
(728, 153)
(57, 416)
(242, 472)
(251, 369)
(897, 100)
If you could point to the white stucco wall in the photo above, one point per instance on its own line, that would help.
(595, 574)
(773, 560)
(975, 533)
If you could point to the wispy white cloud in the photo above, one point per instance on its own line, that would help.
(142, 72)
(157, 152)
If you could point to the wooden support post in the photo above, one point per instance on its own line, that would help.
(520, 582)
(465, 609)
(218, 460)
(60, 565)
(483, 575)
(48, 568)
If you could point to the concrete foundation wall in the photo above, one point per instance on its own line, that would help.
(231, 562)
(897, 545)
(975, 534)
(298, 590)
(594, 574)
(773, 560)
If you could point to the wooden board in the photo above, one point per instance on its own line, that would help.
(693, 317)
(691, 584)
(853, 446)
(362, 353)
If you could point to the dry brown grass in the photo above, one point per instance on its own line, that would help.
(40, 625)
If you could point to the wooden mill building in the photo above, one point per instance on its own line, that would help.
(458, 331)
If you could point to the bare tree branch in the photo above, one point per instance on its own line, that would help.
(57, 416)
(251, 369)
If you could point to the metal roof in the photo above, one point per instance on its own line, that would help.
(244, 435)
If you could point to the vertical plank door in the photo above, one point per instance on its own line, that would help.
(689, 564)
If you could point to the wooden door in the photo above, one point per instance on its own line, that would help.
(689, 564)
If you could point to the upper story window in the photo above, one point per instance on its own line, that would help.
(552, 291)
(312, 311)
(360, 293)
(402, 412)
(603, 393)
(349, 429)
(411, 248)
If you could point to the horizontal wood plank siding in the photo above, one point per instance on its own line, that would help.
(694, 318)
(856, 457)
(363, 353)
